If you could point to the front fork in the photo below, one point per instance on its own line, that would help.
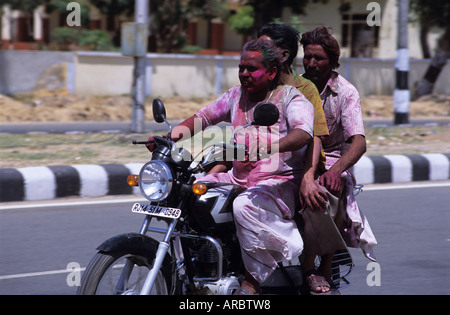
(159, 258)
(163, 247)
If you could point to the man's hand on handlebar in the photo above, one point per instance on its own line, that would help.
(151, 143)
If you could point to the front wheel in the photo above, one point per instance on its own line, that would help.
(120, 274)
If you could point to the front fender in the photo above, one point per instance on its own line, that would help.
(130, 243)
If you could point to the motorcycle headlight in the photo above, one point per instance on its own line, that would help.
(155, 180)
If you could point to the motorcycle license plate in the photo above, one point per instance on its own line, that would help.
(157, 211)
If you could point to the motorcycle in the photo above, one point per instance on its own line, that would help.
(197, 251)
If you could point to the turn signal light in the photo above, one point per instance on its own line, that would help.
(199, 189)
(133, 180)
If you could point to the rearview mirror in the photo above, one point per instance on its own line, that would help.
(265, 114)
(159, 111)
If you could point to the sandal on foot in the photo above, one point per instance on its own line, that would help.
(243, 291)
(314, 281)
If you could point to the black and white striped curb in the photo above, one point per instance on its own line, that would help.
(402, 168)
(50, 182)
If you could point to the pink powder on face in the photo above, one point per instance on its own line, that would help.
(252, 73)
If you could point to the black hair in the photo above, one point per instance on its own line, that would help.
(322, 36)
(284, 36)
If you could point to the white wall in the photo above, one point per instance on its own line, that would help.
(203, 76)
(167, 74)
(101, 73)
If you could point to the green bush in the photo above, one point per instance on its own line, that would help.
(190, 49)
(96, 40)
(243, 21)
(65, 37)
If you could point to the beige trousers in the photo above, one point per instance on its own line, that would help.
(321, 235)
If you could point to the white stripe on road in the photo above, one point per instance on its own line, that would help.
(51, 272)
(405, 186)
(41, 273)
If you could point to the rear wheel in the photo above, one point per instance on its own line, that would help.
(120, 274)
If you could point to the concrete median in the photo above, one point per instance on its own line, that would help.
(51, 182)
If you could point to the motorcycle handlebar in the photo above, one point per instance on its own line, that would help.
(142, 142)
(155, 139)
(239, 150)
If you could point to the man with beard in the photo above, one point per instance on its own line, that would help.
(343, 148)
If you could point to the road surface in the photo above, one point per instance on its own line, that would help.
(40, 240)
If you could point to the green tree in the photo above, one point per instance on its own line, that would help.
(430, 14)
(243, 21)
(170, 18)
(167, 24)
(114, 7)
(266, 11)
(61, 7)
(208, 10)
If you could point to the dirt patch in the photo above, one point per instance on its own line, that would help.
(44, 106)
(429, 106)
(64, 107)
(408, 140)
(41, 149)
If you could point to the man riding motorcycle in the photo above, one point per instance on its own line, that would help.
(264, 211)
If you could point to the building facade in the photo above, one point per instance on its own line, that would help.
(364, 29)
